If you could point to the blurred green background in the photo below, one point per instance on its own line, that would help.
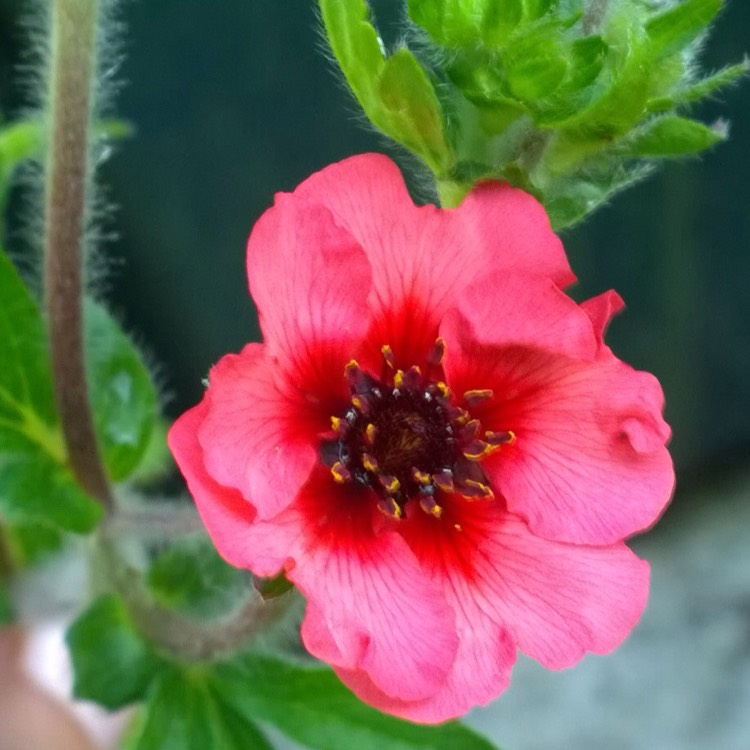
(235, 100)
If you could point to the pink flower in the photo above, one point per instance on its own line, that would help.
(434, 442)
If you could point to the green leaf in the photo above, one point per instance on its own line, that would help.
(123, 397)
(31, 542)
(395, 92)
(192, 578)
(674, 28)
(35, 482)
(464, 23)
(113, 665)
(538, 76)
(701, 88)
(183, 714)
(534, 9)
(18, 141)
(311, 706)
(671, 135)
(156, 460)
(6, 611)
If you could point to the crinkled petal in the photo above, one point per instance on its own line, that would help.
(518, 309)
(416, 252)
(310, 281)
(259, 436)
(589, 463)
(557, 600)
(224, 512)
(486, 652)
(370, 607)
(481, 671)
(601, 309)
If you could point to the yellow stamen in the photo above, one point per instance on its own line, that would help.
(390, 508)
(389, 483)
(421, 477)
(475, 397)
(340, 473)
(388, 357)
(445, 392)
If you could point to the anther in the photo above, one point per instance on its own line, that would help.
(388, 357)
(370, 432)
(369, 462)
(443, 389)
(437, 353)
(470, 430)
(475, 397)
(361, 404)
(389, 483)
(500, 438)
(420, 477)
(412, 378)
(428, 505)
(389, 507)
(476, 450)
(444, 480)
(340, 473)
(475, 490)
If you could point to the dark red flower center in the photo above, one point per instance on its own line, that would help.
(403, 437)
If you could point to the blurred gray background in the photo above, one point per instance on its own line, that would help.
(235, 100)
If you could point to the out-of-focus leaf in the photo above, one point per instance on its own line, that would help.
(31, 542)
(192, 578)
(112, 664)
(311, 706)
(35, 482)
(183, 713)
(18, 141)
(6, 611)
(123, 397)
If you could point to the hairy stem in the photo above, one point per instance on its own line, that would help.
(183, 637)
(73, 62)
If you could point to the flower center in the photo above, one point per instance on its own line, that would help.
(403, 437)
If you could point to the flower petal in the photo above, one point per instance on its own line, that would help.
(601, 309)
(258, 436)
(486, 655)
(224, 512)
(310, 281)
(557, 600)
(517, 309)
(370, 607)
(416, 252)
(589, 463)
(516, 226)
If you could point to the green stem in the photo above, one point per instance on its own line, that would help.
(73, 63)
(183, 637)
